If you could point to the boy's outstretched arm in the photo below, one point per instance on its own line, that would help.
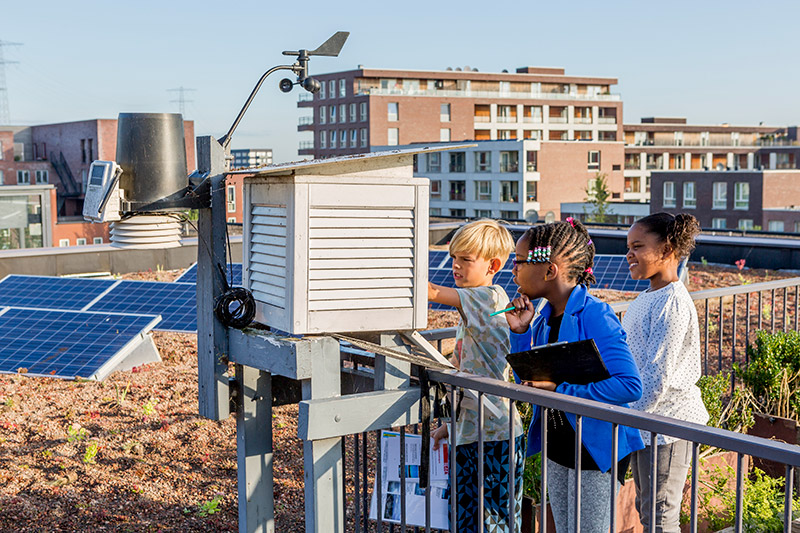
(443, 295)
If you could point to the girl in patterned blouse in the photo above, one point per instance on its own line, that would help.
(664, 338)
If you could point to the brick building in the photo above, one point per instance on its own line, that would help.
(359, 109)
(743, 199)
(660, 143)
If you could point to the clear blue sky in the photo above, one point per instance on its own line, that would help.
(710, 61)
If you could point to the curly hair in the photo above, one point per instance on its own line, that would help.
(678, 230)
(570, 245)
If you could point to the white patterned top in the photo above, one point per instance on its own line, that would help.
(482, 344)
(664, 338)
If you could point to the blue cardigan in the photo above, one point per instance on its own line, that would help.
(586, 317)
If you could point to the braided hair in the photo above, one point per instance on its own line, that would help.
(679, 231)
(570, 244)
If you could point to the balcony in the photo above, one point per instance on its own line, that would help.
(457, 196)
(607, 120)
(375, 91)
(305, 148)
(582, 120)
(305, 124)
(482, 118)
(305, 100)
(507, 119)
(532, 120)
(558, 120)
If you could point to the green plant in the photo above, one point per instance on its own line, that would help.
(773, 373)
(211, 506)
(726, 410)
(76, 433)
(597, 196)
(121, 394)
(149, 409)
(91, 452)
(704, 261)
(766, 311)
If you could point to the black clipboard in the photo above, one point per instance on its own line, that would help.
(576, 362)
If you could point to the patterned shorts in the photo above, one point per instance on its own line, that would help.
(495, 486)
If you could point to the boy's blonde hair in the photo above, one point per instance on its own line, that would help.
(485, 238)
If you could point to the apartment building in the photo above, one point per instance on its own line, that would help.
(660, 144)
(250, 157)
(742, 199)
(516, 179)
(364, 108)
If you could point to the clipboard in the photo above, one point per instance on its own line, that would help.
(576, 362)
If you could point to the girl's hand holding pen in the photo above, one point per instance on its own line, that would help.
(520, 318)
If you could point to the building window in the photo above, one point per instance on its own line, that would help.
(444, 135)
(63, 242)
(80, 241)
(342, 138)
(333, 114)
(509, 191)
(91, 150)
(353, 138)
(797, 227)
(669, 194)
(444, 112)
(457, 162)
(720, 195)
(97, 240)
(741, 195)
(322, 90)
(483, 213)
(531, 160)
(231, 198)
(436, 188)
(594, 160)
(509, 161)
(1, 153)
(505, 135)
(483, 190)
(83, 155)
(342, 113)
(323, 139)
(509, 215)
(323, 116)
(457, 190)
(415, 162)
(483, 161)
(24, 177)
(342, 89)
(776, 225)
(703, 138)
(718, 223)
(633, 184)
(689, 195)
(352, 112)
(458, 213)
(333, 139)
(363, 137)
(435, 162)
(435, 211)
(42, 176)
(745, 223)
(363, 111)
(394, 135)
(392, 111)
(678, 138)
(332, 88)
(654, 161)
(531, 191)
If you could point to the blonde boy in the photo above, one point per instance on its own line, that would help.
(479, 250)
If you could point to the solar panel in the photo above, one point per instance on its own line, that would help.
(44, 292)
(175, 302)
(234, 271)
(611, 272)
(68, 344)
(436, 258)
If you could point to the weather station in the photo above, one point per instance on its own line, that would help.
(335, 252)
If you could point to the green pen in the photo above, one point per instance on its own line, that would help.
(506, 310)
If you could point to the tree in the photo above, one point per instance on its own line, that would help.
(597, 195)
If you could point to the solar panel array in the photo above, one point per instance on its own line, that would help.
(175, 302)
(67, 344)
(234, 275)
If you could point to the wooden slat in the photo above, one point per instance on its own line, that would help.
(268, 239)
(359, 283)
(264, 259)
(360, 233)
(337, 253)
(359, 264)
(369, 273)
(362, 213)
(269, 210)
(268, 249)
(384, 303)
(337, 222)
(277, 281)
(263, 288)
(360, 243)
(359, 294)
(267, 269)
(265, 229)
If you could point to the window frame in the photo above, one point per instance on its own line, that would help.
(669, 201)
(593, 160)
(486, 165)
(741, 202)
(230, 198)
(689, 202)
(389, 136)
(482, 195)
(456, 166)
(719, 202)
(434, 162)
(392, 115)
(23, 177)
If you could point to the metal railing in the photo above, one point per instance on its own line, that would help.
(486, 94)
(305, 121)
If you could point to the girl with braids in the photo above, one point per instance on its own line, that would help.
(554, 262)
(665, 341)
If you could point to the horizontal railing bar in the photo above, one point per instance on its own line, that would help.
(439, 334)
(738, 442)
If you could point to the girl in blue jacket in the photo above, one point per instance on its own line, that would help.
(554, 262)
